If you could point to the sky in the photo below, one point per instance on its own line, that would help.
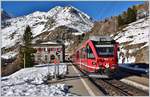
(97, 10)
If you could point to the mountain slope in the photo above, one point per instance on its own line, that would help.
(4, 15)
(45, 22)
(134, 41)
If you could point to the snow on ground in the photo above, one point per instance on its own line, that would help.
(9, 55)
(135, 33)
(32, 82)
(130, 59)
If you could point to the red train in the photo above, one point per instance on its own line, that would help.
(97, 56)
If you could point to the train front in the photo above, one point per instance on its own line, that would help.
(107, 60)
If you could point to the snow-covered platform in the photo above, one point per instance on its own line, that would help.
(33, 82)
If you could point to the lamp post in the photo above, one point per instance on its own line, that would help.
(24, 59)
(48, 70)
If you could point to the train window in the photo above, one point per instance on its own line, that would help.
(104, 42)
(118, 49)
(90, 53)
(105, 51)
(83, 53)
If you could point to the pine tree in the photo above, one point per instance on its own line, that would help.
(27, 37)
(134, 13)
(131, 15)
(27, 51)
(120, 21)
(124, 17)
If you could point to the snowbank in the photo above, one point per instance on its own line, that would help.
(32, 82)
(35, 90)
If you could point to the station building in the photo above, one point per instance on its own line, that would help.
(47, 52)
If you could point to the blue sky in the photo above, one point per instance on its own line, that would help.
(98, 10)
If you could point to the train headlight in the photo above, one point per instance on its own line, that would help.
(112, 67)
(94, 63)
(107, 65)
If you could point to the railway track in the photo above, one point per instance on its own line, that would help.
(117, 88)
(113, 87)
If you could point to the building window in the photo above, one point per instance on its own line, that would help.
(39, 49)
(52, 49)
(49, 50)
(57, 49)
(44, 49)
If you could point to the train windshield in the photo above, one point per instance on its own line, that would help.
(105, 50)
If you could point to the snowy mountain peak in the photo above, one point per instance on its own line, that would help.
(4, 15)
(69, 9)
(56, 8)
(75, 9)
(70, 17)
(41, 22)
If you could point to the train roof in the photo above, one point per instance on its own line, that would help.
(101, 38)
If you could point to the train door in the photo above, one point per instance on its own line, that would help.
(91, 61)
(77, 57)
(116, 50)
(84, 58)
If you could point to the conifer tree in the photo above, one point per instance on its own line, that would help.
(134, 13)
(120, 21)
(27, 51)
(27, 36)
(124, 17)
(131, 15)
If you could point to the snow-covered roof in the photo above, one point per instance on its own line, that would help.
(9, 55)
(49, 42)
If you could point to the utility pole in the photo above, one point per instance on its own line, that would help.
(115, 24)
